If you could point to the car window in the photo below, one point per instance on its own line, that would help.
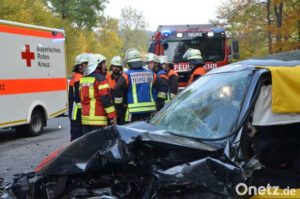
(207, 109)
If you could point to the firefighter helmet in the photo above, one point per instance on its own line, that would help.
(100, 58)
(93, 62)
(77, 63)
(116, 61)
(84, 57)
(132, 55)
(194, 56)
(151, 57)
(163, 59)
(133, 58)
(77, 59)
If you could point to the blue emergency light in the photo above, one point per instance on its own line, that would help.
(218, 30)
(166, 33)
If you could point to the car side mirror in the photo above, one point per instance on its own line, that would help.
(235, 44)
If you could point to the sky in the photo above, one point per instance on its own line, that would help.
(167, 12)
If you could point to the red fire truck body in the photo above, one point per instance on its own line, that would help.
(175, 40)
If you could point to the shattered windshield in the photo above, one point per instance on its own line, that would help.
(208, 109)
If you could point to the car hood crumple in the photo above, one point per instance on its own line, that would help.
(132, 161)
(112, 143)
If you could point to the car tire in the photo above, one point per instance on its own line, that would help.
(34, 128)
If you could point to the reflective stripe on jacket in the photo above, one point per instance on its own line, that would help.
(74, 103)
(96, 100)
(173, 84)
(156, 94)
(139, 94)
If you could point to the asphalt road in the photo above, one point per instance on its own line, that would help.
(19, 154)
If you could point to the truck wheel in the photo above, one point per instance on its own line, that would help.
(35, 127)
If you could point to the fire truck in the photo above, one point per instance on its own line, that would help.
(175, 40)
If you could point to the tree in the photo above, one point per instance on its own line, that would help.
(28, 11)
(83, 13)
(132, 26)
(269, 25)
(278, 14)
(244, 20)
(261, 26)
(286, 17)
(108, 37)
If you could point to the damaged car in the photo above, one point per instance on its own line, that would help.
(219, 132)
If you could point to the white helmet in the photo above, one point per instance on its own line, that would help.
(132, 55)
(77, 59)
(194, 57)
(92, 64)
(163, 59)
(77, 63)
(100, 58)
(93, 61)
(116, 61)
(151, 57)
(84, 57)
(192, 54)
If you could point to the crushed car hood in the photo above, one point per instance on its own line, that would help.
(112, 144)
(132, 161)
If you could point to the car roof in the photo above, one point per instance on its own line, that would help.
(250, 64)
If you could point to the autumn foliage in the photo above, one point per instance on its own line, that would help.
(261, 26)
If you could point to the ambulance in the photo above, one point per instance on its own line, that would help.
(33, 84)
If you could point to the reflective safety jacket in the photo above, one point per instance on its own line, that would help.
(163, 77)
(198, 72)
(161, 84)
(173, 84)
(112, 81)
(74, 100)
(139, 95)
(96, 101)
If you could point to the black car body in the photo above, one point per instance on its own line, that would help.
(198, 146)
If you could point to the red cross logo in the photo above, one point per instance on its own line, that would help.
(27, 55)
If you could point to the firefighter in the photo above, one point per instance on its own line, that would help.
(137, 83)
(151, 60)
(97, 105)
(160, 91)
(74, 100)
(116, 66)
(196, 64)
(172, 75)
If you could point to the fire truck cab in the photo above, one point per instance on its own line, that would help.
(175, 40)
